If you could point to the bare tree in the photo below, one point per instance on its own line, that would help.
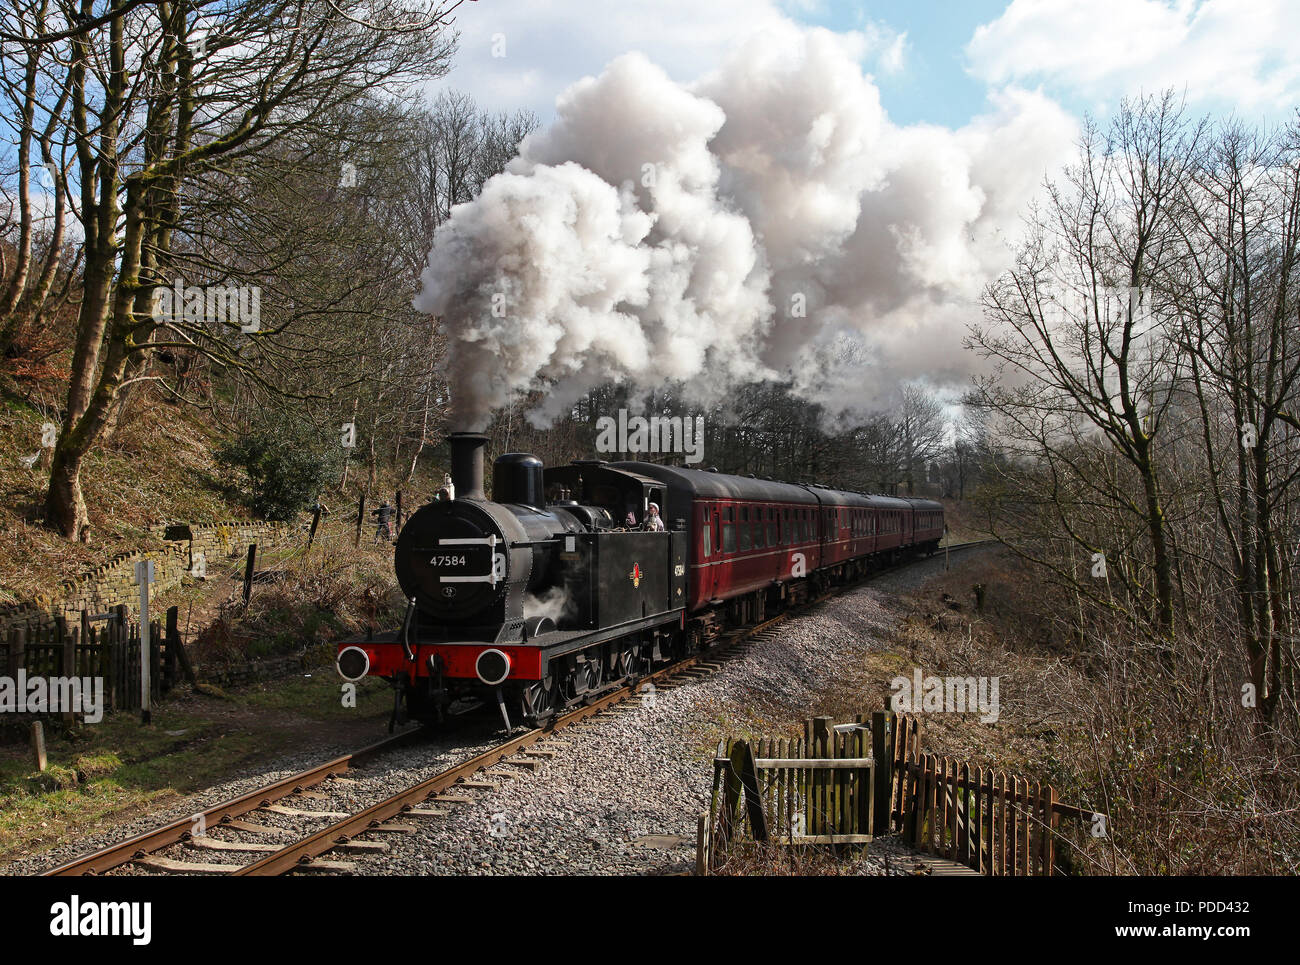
(157, 96)
(1085, 362)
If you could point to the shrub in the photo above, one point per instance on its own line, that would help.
(284, 474)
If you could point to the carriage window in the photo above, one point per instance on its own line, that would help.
(758, 529)
(745, 539)
(728, 537)
(708, 537)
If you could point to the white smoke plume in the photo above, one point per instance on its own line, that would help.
(554, 603)
(745, 227)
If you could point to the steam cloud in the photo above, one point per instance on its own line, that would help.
(658, 233)
(554, 603)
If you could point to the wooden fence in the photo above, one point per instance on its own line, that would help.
(103, 645)
(820, 789)
(995, 823)
(826, 788)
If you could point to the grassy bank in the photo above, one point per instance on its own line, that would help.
(115, 770)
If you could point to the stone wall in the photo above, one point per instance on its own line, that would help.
(268, 668)
(113, 583)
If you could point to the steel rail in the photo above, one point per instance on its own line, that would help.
(114, 855)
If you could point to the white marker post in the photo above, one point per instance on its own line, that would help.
(143, 576)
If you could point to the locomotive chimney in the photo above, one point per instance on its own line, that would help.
(467, 463)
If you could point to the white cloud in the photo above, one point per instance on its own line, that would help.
(1235, 51)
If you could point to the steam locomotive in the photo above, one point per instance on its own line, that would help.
(543, 596)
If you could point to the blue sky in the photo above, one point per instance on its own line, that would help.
(932, 85)
(934, 61)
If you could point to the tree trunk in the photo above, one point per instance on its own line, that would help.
(65, 507)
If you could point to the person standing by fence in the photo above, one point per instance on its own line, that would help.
(384, 514)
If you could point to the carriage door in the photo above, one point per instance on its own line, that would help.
(713, 525)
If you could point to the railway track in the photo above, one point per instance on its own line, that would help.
(295, 798)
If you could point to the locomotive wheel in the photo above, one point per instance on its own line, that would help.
(594, 675)
(540, 699)
(629, 661)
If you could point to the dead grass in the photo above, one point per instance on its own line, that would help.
(156, 468)
(315, 598)
(749, 859)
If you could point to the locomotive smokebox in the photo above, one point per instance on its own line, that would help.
(517, 478)
(467, 463)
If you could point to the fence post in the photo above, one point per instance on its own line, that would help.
(361, 516)
(143, 574)
(248, 572)
(67, 661)
(17, 650)
(38, 744)
(753, 802)
(60, 640)
(1049, 830)
(702, 846)
(399, 512)
(169, 657)
(821, 730)
(315, 521)
(882, 793)
(155, 661)
(121, 672)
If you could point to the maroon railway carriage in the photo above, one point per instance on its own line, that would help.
(541, 596)
(758, 545)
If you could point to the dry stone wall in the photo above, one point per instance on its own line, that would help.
(183, 545)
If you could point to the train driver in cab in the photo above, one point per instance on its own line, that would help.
(653, 522)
